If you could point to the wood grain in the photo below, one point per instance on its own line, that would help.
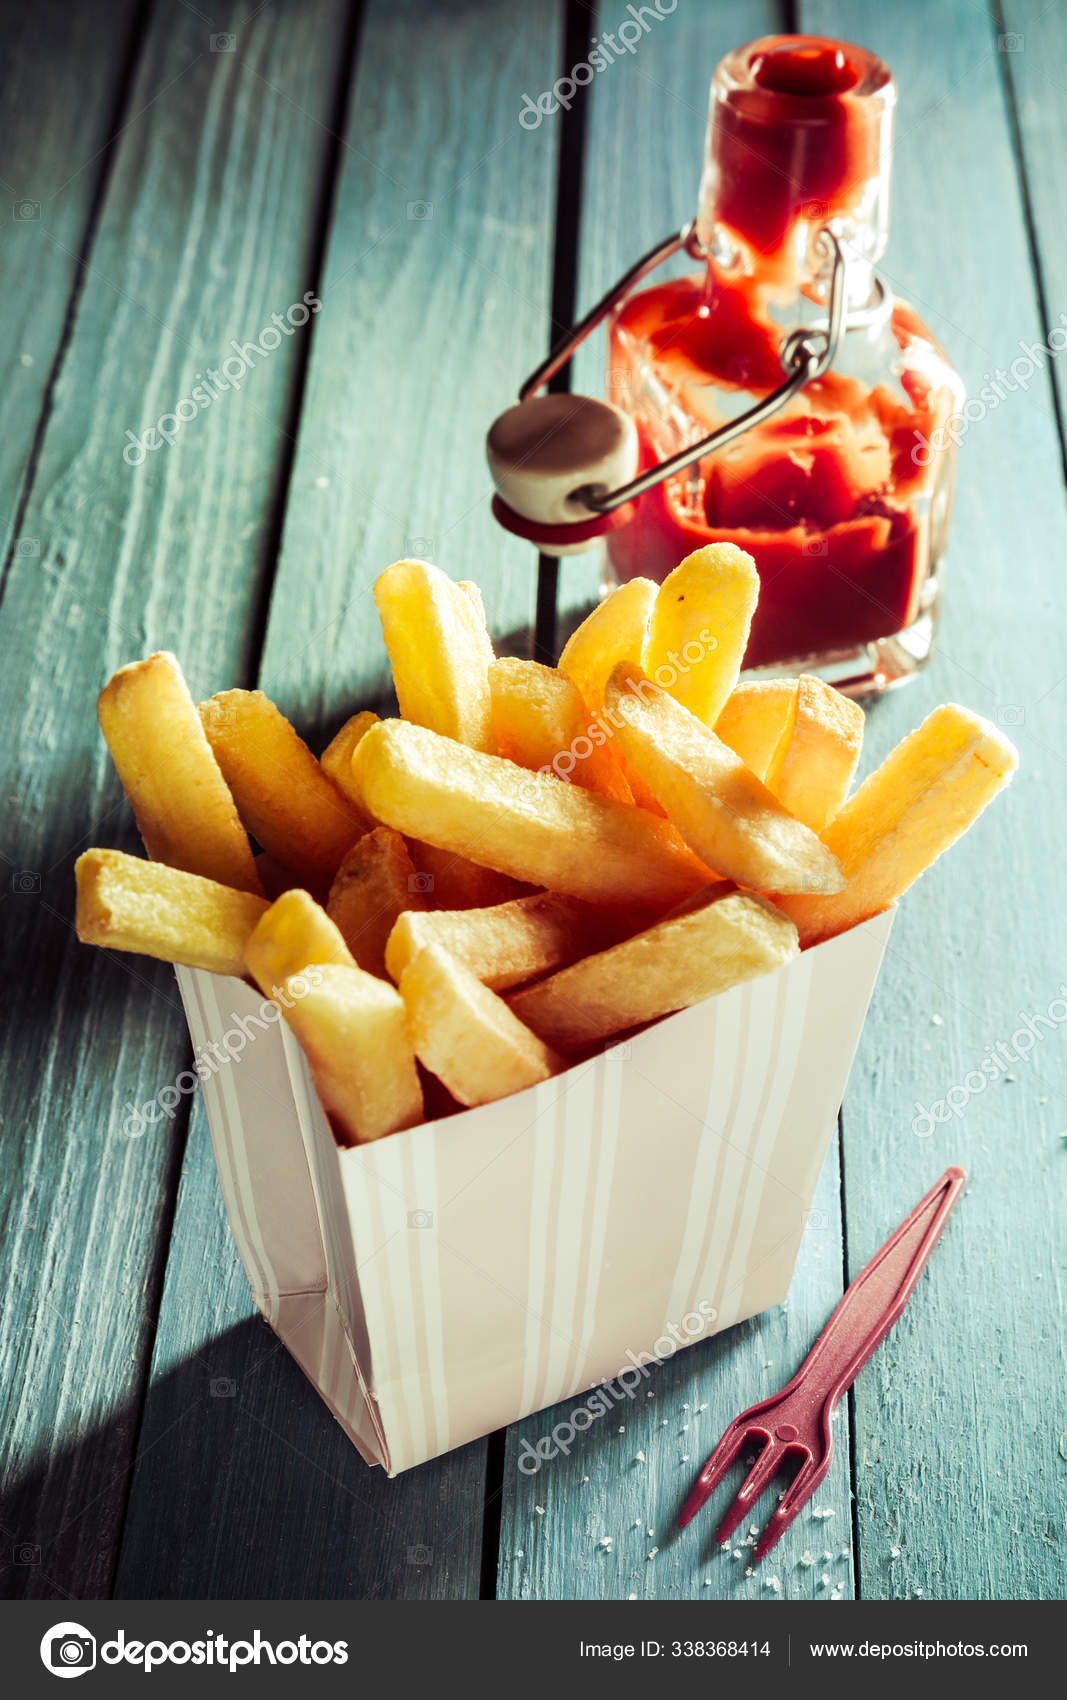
(207, 226)
(958, 1419)
(49, 198)
(439, 260)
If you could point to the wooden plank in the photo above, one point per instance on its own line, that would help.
(1033, 60)
(64, 75)
(633, 196)
(208, 227)
(389, 454)
(440, 258)
(957, 1422)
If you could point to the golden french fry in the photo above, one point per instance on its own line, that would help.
(439, 650)
(541, 721)
(818, 753)
(183, 806)
(675, 963)
(699, 628)
(754, 719)
(375, 883)
(524, 824)
(285, 799)
(449, 881)
(466, 1035)
(615, 631)
(294, 933)
(352, 1028)
(473, 594)
(127, 904)
(506, 944)
(723, 812)
(336, 758)
(926, 793)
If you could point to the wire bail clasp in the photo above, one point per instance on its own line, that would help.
(806, 353)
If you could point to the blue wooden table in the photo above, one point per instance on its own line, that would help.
(177, 178)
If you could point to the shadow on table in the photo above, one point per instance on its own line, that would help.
(243, 1487)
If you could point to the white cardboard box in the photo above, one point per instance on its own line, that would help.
(443, 1282)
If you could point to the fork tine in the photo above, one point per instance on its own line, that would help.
(714, 1470)
(763, 1471)
(793, 1501)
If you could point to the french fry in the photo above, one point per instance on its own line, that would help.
(926, 793)
(524, 824)
(184, 810)
(504, 945)
(353, 1030)
(466, 1035)
(674, 964)
(375, 883)
(818, 753)
(474, 596)
(615, 631)
(449, 881)
(336, 758)
(439, 650)
(127, 904)
(754, 718)
(541, 721)
(722, 811)
(699, 628)
(284, 798)
(293, 933)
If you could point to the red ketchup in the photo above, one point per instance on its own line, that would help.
(842, 497)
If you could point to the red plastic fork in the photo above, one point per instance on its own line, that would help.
(795, 1423)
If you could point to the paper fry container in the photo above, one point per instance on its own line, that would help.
(443, 1282)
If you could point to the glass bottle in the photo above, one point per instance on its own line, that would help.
(843, 496)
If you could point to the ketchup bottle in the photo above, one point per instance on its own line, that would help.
(834, 475)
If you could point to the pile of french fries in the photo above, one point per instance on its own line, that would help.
(529, 861)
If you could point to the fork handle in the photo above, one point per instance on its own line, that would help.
(875, 1299)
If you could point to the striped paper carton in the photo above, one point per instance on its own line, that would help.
(443, 1282)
